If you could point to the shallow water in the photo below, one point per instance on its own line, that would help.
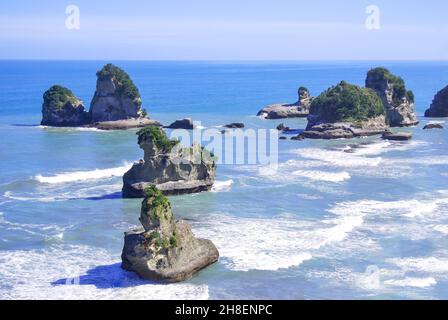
(344, 219)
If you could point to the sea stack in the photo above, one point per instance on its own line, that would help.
(439, 106)
(164, 249)
(398, 102)
(169, 166)
(116, 96)
(299, 109)
(345, 111)
(61, 108)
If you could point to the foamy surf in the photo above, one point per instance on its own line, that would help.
(412, 282)
(84, 175)
(323, 176)
(222, 186)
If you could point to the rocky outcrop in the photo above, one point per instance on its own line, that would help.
(433, 126)
(439, 106)
(164, 249)
(186, 124)
(398, 102)
(397, 136)
(300, 109)
(61, 108)
(116, 96)
(169, 166)
(126, 124)
(345, 111)
(234, 125)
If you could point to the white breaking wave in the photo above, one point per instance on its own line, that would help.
(80, 272)
(323, 176)
(74, 129)
(412, 282)
(430, 264)
(338, 158)
(84, 175)
(222, 186)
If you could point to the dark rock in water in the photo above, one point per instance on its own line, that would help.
(398, 102)
(439, 106)
(61, 108)
(282, 138)
(169, 166)
(345, 111)
(300, 109)
(116, 96)
(433, 126)
(126, 124)
(281, 127)
(298, 137)
(398, 136)
(164, 249)
(186, 123)
(235, 125)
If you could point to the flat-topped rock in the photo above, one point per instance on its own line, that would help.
(299, 109)
(186, 124)
(433, 126)
(235, 125)
(126, 124)
(164, 249)
(169, 166)
(397, 136)
(439, 106)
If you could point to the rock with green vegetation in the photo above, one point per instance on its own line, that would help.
(164, 249)
(439, 106)
(345, 111)
(169, 166)
(398, 102)
(61, 108)
(299, 109)
(116, 96)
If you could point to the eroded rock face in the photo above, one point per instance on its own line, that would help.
(164, 249)
(439, 106)
(61, 108)
(116, 96)
(300, 109)
(398, 102)
(173, 169)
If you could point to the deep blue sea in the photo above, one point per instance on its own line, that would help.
(342, 219)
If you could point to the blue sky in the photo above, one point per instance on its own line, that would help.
(224, 30)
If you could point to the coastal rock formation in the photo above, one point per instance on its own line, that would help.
(235, 125)
(397, 136)
(398, 102)
(345, 111)
(186, 124)
(439, 106)
(300, 109)
(164, 249)
(116, 96)
(169, 166)
(433, 126)
(61, 108)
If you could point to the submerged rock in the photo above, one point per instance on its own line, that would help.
(164, 249)
(300, 109)
(398, 102)
(235, 125)
(439, 106)
(116, 96)
(169, 166)
(433, 126)
(186, 124)
(61, 108)
(345, 111)
(397, 136)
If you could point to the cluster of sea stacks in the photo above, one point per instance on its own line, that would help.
(116, 104)
(348, 111)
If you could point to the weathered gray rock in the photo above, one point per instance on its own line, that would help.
(300, 109)
(186, 124)
(397, 136)
(173, 169)
(61, 108)
(398, 102)
(439, 106)
(116, 96)
(235, 125)
(433, 126)
(164, 249)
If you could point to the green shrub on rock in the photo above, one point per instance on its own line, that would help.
(158, 137)
(125, 84)
(57, 96)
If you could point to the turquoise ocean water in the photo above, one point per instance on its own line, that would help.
(341, 219)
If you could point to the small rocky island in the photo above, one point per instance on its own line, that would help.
(164, 249)
(116, 104)
(169, 166)
(345, 111)
(397, 100)
(299, 109)
(439, 106)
